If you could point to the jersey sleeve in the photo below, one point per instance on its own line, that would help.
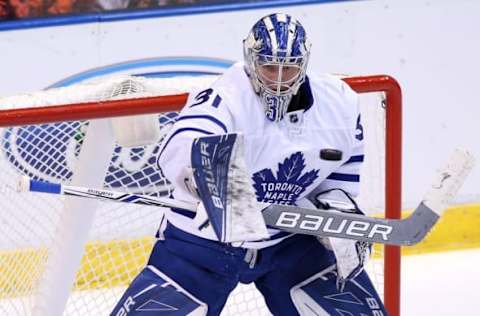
(347, 175)
(205, 113)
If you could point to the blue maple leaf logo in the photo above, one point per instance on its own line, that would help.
(288, 184)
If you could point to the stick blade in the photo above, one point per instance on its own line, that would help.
(449, 180)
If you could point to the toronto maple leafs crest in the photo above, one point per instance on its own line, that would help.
(287, 184)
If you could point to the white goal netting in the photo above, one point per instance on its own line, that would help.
(113, 240)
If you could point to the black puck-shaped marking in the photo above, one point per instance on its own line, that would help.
(331, 154)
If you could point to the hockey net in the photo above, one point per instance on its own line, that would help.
(59, 254)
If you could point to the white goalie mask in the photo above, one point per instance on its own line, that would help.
(276, 54)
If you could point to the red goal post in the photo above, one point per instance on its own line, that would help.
(393, 175)
(169, 103)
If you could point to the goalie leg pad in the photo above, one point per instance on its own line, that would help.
(303, 280)
(152, 292)
(319, 295)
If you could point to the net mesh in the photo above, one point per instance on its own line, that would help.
(121, 236)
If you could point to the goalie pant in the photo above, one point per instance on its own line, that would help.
(189, 275)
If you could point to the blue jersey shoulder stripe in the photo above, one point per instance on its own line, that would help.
(358, 158)
(180, 130)
(344, 177)
(206, 117)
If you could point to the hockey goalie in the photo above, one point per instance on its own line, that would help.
(266, 132)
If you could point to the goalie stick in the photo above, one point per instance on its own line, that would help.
(320, 223)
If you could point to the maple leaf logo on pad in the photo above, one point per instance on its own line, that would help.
(287, 185)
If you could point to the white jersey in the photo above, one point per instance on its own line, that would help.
(283, 158)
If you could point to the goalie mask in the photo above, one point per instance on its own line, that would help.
(276, 54)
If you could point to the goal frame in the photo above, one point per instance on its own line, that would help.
(361, 84)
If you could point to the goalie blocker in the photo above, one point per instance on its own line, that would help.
(224, 187)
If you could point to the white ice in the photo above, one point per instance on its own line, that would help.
(441, 283)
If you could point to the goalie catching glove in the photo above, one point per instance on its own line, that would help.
(351, 255)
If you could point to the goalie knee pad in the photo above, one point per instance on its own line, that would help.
(319, 295)
(153, 293)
